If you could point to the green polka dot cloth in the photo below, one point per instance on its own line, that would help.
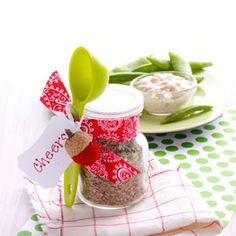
(32, 227)
(207, 156)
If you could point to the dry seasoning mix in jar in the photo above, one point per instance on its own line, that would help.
(112, 120)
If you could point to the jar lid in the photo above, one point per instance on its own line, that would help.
(115, 102)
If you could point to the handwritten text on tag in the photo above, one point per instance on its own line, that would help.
(46, 160)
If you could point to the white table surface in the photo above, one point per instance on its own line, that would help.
(37, 37)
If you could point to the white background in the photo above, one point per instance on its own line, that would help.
(37, 37)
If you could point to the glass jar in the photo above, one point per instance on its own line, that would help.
(116, 114)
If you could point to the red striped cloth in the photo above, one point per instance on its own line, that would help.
(170, 207)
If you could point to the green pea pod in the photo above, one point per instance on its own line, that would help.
(186, 113)
(179, 64)
(123, 77)
(199, 79)
(166, 65)
(161, 63)
(148, 68)
(197, 65)
(132, 65)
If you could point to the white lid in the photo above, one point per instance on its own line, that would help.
(115, 102)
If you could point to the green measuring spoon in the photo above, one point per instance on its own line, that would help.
(88, 78)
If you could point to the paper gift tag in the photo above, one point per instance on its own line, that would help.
(46, 160)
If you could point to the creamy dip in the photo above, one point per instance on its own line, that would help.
(165, 93)
(163, 83)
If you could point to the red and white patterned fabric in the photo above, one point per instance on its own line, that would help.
(55, 97)
(170, 207)
(104, 163)
(116, 130)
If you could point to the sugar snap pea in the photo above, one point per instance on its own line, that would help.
(148, 68)
(131, 66)
(179, 64)
(197, 65)
(151, 64)
(166, 65)
(123, 77)
(161, 63)
(186, 113)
